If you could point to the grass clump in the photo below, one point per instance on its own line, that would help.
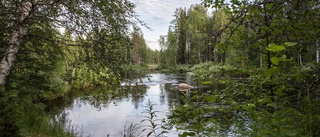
(174, 69)
(219, 70)
(130, 130)
(205, 66)
(35, 124)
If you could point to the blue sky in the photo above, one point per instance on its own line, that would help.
(158, 14)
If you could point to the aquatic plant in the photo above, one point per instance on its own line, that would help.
(154, 123)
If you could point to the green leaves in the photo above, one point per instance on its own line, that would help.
(206, 83)
(211, 99)
(291, 133)
(275, 47)
(186, 134)
(272, 71)
(275, 60)
(290, 44)
(265, 100)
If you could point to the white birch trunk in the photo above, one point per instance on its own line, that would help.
(300, 59)
(260, 56)
(318, 54)
(25, 8)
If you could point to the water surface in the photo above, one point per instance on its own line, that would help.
(102, 117)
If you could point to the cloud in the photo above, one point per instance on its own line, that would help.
(149, 41)
(158, 14)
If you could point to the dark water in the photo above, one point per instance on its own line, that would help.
(99, 116)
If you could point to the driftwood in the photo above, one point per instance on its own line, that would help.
(184, 87)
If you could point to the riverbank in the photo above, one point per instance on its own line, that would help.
(210, 68)
(25, 105)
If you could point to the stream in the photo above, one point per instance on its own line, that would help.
(103, 117)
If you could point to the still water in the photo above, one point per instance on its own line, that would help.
(102, 117)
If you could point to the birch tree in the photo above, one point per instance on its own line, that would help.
(77, 16)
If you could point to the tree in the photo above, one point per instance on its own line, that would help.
(79, 17)
(181, 26)
(168, 45)
(194, 36)
(139, 48)
(197, 35)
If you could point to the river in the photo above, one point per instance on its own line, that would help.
(102, 117)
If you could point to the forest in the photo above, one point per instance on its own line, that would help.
(273, 44)
(51, 49)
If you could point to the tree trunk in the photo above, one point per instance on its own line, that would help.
(260, 56)
(317, 51)
(300, 60)
(25, 8)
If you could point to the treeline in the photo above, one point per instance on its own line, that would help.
(141, 53)
(238, 33)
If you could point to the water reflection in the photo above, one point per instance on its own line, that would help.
(106, 114)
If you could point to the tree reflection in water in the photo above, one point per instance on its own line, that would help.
(100, 113)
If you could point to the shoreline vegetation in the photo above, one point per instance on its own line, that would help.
(40, 124)
(209, 67)
(207, 71)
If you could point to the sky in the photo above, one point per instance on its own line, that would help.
(158, 14)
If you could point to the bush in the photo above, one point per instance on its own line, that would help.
(175, 69)
(219, 70)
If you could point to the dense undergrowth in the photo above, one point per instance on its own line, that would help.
(173, 69)
(26, 108)
(283, 103)
(211, 68)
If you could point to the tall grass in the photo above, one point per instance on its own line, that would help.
(174, 69)
(35, 124)
(130, 130)
(217, 69)
(152, 126)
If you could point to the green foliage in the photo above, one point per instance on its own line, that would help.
(186, 38)
(238, 32)
(249, 109)
(91, 52)
(213, 69)
(36, 123)
(182, 36)
(205, 66)
(139, 48)
(37, 77)
(174, 69)
(280, 101)
(154, 124)
(40, 72)
(9, 111)
(132, 74)
(168, 52)
(276, 60)
(83, 77)
(194, 118)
